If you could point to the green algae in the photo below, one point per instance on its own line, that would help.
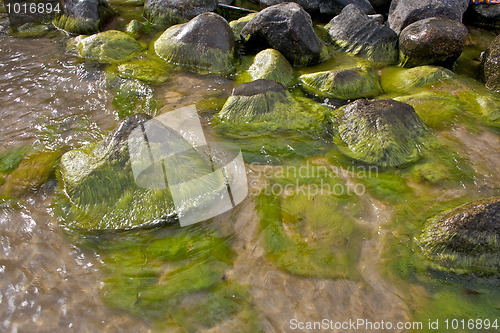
(134, 28)
(110, 46)
(239, 24)
(10, 159)
(270, 64)
(133, 96)
(84, 26)
(146, 70)
(401, 80)
(32, 30)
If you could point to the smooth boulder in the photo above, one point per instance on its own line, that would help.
(110, 46)
(465, 239)
(83, 17)
(437, 41)
(169, 12)
(287, 28)
(380, 132)
(357, 33)
(490, 65)
(206, 42)
(402, 13)
(344, 83)
(271, 65)
(326, 7)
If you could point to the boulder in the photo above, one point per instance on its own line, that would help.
(381, 132)
(264, 104)
(271, 65)
(287, 28)
(402, 13)
(435, 40)
(485, 15)
(239, 24)
(169, 12)
(345, 83)
(357, 33)
(490, 65)
(110, 46)
(83, 17)
(206, 42)
(402, 80)
(326, 7)
(465, 239)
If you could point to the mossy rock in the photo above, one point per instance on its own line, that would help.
(133, 96)
(32, 172)
(145, 70)
(83, 17)
(133, 28)
(110, 46)
(270, 64)
(264, 105)
(490, 65)
(239, 24)
(32, 30)
(169, 12)
(381, 132)
(401, 80)
(10, 158)
(344, 83)
(205, 43)
(466, 239)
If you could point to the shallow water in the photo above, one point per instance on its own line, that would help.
(54, 281)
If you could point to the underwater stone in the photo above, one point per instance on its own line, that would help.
(465, 239)
(169, 12)
(287, 28)
(396, 79)
(83, 17)
(206, 42)
(355, 32)
(326, 7)
(382, 132)
(490, 65)
(435, 40)
(144, 70)
(345, 83)
(402, 13)
(110, 46)
(483, 14)
(271, 65)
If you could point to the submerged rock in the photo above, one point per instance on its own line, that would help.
(83, 17)
(490, 65)
(206, 42)
(382, 132)
(435, 40)
(361, 35)
(326, 7)
(144, 70)
(486, 15)
(264, 104)
(287, 28)
(402, 13)
(169, 12)
(465, 239)
(401, 80)
(345, 83)
(271, 65)
(110, 46)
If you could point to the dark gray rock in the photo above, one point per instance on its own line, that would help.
(287, 28)
(490, 65)
(405, 12)
(326, 7)
(83, 17)
(437, 41)
(381, 5)
(357, 33)
(484, 15)
(168, 12)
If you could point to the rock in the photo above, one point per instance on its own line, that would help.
(271, 65)
(490, 65)
(145, 70)
(133, 28)
(110, 46)
(239, 24)
(83, 17)
(485, 15)
(402, 13)
(231, 13)
(402, 80)
(326, 7)
(345, 83)
(381, 6)
(287, 28)
(356, 33)
(465, 239)
(206, 42)
(264, 104)
(32, 30)
(435, 40)
(382, 132)
(169, 12)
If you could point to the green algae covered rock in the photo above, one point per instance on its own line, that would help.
(239, 24)
(169, 12)
(83, 17)
(400, 80)
(10, 158)
(32, 30)
(146, 70)
(110, 46)
(133, 28)
(206, 42)
(270, 64)
(466, 239)
(345, 83)
(264, 105)
(490, 65)
(382, 132)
